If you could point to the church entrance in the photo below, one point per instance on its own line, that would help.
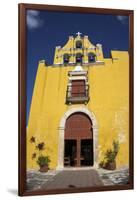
(78, 141)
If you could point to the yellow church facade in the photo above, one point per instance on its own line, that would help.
(80, 105)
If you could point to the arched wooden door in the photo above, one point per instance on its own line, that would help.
(78, 141)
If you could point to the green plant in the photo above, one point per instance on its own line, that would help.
(110, 154)
(115, 147)
(101, 164)
(43, 160)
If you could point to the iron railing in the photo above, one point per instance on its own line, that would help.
(80, 96)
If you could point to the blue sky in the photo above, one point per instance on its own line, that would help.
(45, 30)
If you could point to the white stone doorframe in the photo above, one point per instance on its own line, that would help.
(62, 133)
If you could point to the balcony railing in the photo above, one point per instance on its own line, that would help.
(79, 96)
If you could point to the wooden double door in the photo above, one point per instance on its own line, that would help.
(78, 141)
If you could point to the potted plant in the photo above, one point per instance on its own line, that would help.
(109, 161)
(43, 162)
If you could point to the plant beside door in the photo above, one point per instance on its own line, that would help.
(109, 161)
(42, 160)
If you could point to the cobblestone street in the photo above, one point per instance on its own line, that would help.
(55, 179)
(116, 177)
(36, 179)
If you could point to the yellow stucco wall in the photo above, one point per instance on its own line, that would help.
(109, 101)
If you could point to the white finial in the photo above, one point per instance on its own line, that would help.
(78, 33)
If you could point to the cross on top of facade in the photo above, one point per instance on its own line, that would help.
(78, 33)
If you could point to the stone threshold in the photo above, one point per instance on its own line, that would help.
(76, 168)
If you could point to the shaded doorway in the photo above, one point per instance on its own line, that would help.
(78, 148)
(87, 152)
(70, 153)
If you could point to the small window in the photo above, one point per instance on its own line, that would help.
(66, 58)
(91, 57)
(78, 88)
(77, 91)
(78, 44)
(79, 58)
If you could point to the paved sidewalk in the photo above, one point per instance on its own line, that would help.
(77, 177)
(55, 179)
(74, 179)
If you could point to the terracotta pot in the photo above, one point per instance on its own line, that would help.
(110, 166)
(44, 168)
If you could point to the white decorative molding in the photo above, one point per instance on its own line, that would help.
(77, 78)
(42, 61)
(69, 112)
(99, 45)
(58, 47)
(94, 63)
(86, 36)
(71, 62)
(58, 63)
(71, 37)
(98, 61)
(77, 68)
(91, 48)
